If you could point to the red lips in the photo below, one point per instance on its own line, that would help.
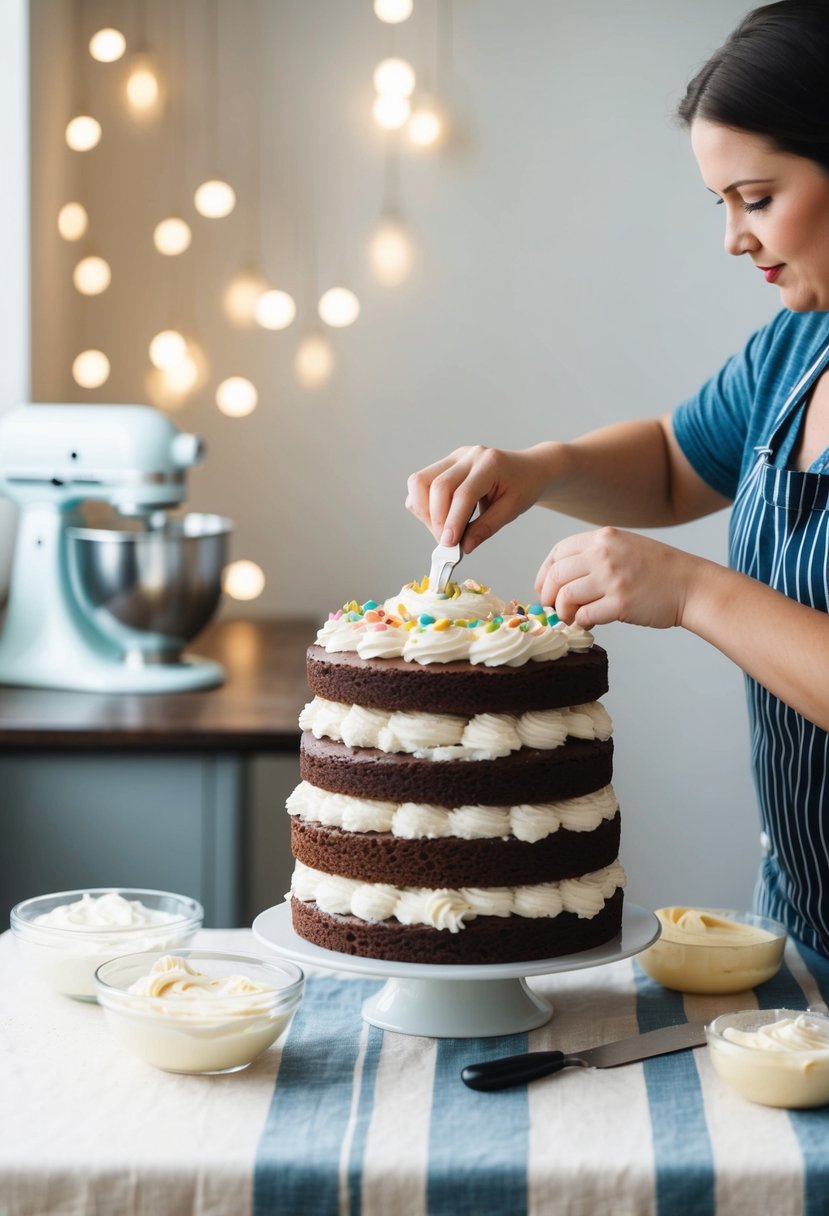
(771, 272)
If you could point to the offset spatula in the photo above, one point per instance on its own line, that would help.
(444, 560)
(530, 1065)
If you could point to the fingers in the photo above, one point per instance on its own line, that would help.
(444, 495)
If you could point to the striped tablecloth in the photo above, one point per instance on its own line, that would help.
(344, 1118)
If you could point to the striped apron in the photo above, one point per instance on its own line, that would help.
(779, 534)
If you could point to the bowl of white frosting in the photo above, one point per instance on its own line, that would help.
(66, 936)
(713, 950)
(199, 1011)
(777, 1057)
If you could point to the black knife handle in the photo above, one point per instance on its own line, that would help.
(513, 1070)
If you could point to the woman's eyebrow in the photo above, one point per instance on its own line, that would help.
(745, 181)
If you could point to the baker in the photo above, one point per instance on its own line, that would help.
(755, 438)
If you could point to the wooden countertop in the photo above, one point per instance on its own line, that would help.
(255, 710)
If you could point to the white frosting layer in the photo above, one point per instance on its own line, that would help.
(416, 820)
(468, 623)
(93, 913)
(801, 1033)
(450, 909)
(449, 736)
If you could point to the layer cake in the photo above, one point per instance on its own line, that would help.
(456, 803)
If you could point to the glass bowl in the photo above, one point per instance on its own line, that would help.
(687, 962)
(67, 956)
(211, 1032)
(785, 1077)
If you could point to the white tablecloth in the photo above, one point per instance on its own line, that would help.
(342, 1117)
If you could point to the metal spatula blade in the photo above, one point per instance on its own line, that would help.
(444, 560)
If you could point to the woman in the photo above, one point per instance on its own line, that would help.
(756, 436)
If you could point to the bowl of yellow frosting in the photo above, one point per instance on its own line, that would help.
(713, 950)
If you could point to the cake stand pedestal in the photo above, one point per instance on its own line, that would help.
(455, 1002)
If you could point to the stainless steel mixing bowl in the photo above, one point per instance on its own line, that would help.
(149, 592)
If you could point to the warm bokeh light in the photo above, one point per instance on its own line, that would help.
(426, 125)
(275, 309)
(90, 369)
(91, 276)
(214, 199)
(83, 132)
(394, 78)
(391, 113)
(172, 236)
(72, 221)
(182, 375)
(107, 45)
(391, 251)
(241, 295)
(167, 348)
(314, 361)
(393, 11)
(143, 88)
(237, 397)
(339, 307)
(243, 580)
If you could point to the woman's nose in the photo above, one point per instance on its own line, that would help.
(738, 236)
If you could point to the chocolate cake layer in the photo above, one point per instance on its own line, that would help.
(457, 688)
(452, 862)
(484, 940)
(578, 767)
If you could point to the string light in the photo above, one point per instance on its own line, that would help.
(275, 309)
(339, 307)
(391, 251)
(83, 132)
(426, 126)
(215, 199)
(391, 113)
(167, 348)
(243, 580)
(73, 221)
(237, 397)
(393, 11)
(241, 297)
(172, 236)
(91, 276)
(180, 377)
(90, 369)
(394, 78)
(107, 45)
(314, 361)
(143, 89)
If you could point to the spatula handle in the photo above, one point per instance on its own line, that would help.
(513, 1070)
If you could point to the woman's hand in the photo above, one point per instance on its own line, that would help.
(610, 575)
(504, 484)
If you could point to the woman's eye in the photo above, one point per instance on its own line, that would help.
(758, 206)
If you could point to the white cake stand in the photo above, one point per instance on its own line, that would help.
(454, 1001)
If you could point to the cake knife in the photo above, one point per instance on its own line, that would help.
(530, 1065)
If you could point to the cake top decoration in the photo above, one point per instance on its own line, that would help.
(466, 621)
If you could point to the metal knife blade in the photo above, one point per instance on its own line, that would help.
(530, 1065)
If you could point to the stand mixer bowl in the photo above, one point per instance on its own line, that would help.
(149, 592)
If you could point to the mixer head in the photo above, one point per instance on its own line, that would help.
(132, 456)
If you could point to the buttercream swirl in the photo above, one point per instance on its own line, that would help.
(415, 820)
(451, 736)
(450, 909)
(801, 1033)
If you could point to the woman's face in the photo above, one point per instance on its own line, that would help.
(776, 207)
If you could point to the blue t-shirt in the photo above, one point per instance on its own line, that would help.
(719, 427)
(738, 437)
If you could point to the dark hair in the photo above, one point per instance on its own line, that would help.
(771, 77)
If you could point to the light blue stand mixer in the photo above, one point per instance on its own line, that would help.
(106, 609)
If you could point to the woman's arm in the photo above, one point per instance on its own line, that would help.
(611, 575)
(630, 474)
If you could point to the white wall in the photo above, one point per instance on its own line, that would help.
(570, 272)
